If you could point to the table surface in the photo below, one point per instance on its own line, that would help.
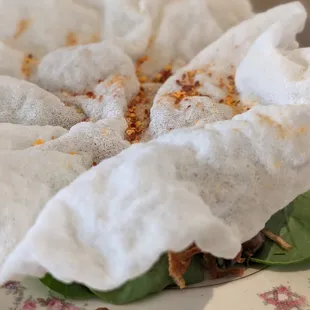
(286, 288)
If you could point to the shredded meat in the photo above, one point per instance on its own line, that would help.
(252, 246)
(216, 272)
(179, 263)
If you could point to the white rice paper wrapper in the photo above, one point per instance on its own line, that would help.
(28, 179)
(101, 140)
(167, 31)
(229, 56)
(25, 103)
(98, 78)
(19, 137)
(139, 27)
(11, 61)
(185, 27)
(38, 28)
(215, 184)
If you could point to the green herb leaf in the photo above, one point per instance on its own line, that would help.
(196, 271)
(293, 225)
(70, 291)
(154, 281)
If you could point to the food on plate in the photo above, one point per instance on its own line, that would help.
(139, 154)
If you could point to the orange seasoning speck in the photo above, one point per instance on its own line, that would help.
(142, 79)
(22, 26)
(136, 123)
(71, 39)
(117, 80)
(229, 100)
(38, 142)
(139, 63)
(72, 153)
(232, 95)
(178, 95)
(28, 64)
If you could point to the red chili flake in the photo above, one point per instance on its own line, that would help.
(221, 101)
(188, 88)
(163, 75)
(188, 107)
(90, 94)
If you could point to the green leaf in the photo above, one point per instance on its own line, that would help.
(196, 271)
(293, 225)
(70, 291)
(154, 281)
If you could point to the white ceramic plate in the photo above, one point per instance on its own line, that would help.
(273, 289)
